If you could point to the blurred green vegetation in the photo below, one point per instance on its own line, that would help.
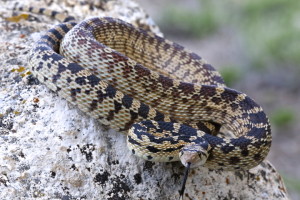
(271, 28)
(292, 183)
(282, 117)
(230, 74)
(195, 24)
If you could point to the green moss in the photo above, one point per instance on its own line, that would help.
(282, 117)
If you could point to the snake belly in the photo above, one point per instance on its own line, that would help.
(121, 75)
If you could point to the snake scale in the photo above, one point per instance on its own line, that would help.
(168, 100)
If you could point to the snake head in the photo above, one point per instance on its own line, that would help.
(194, 154)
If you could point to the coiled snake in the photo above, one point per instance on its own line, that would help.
(169, 99)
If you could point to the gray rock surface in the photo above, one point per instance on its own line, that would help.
(51, 150)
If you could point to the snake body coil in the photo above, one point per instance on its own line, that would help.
(168, 98)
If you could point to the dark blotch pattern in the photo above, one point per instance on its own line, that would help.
(75, 91)
(159, 117)
(229, 95)
(132, 141)
(257, 157)
(74, 68)
(144, 110)
(245, 152)
(80, 80)
(234, 160)
(93, 105)
(226, 149)
(207, 91)
(216, 100)
(118, 106)
(165, 82)
(149, 157)
(51, 43)
(258, 117)
(153, 149)
(94, 80)
(127, 101)
(257, 132)
(248, 104)
(186, 88)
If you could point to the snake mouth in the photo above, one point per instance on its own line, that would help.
(194, 155)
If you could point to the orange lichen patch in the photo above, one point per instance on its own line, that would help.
(257, 178)
(20, 69)
(227, 181)
(25, 74)
(17, 112)
(281, 188)
(36, 100)
(17, 18)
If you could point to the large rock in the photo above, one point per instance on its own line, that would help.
(49, 149)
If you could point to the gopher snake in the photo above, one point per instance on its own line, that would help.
(169, 99)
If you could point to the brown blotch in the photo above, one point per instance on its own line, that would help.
(204, 103)
(183, 55)
(229, 96)
(216, 100)
(211, 156)
(227, 181)
(186, 88)
(257, 157)
(111, 115)
(165, 82)
(176, 93)
(208, 67)
(245, 152)
(166, 46)
(206, 92)
(234, 106)
(196, 97)
(93, 105)
(141, 71)
(234, 160)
